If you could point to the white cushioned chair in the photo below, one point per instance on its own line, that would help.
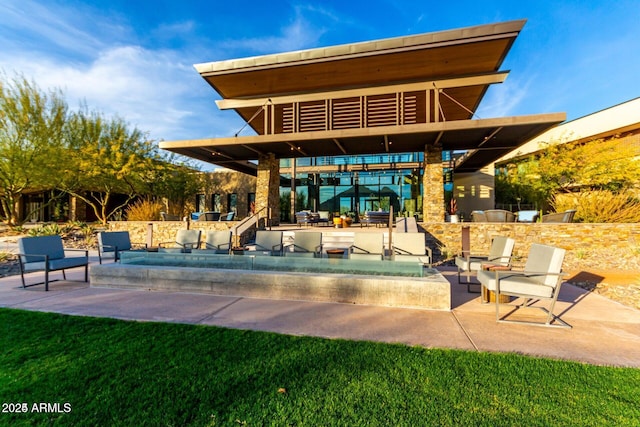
(540, 280)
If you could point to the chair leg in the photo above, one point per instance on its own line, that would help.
(86, 272)
(64, 276)
(46, 278)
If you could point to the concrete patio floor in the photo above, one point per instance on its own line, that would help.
(604, 332)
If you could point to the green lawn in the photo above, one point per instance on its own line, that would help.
(112, 372)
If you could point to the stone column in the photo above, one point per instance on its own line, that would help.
(268, 187)
(433, 186)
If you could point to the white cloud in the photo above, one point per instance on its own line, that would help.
(299, 34)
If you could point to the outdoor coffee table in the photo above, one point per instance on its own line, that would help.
(335, 253)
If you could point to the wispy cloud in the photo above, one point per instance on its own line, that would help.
(155, 90)
(300, 33)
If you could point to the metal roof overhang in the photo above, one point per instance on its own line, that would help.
(489, 139)
(472, 51)
(478, 50)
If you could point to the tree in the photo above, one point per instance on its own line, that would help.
(175, 181)
(105, 158)
(563, 168)
(31, 124)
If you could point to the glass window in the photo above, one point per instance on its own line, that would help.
(216, 203)
(201, 205)
(232, 202)
(251, 203)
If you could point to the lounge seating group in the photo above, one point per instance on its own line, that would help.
(312, 218)
(501, 215)
(374, 217)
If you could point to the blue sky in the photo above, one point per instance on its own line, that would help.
(134, 58)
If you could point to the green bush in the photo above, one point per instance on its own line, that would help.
(144, 210)
(600, 206)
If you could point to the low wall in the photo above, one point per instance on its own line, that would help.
(589, 246)
(165, 231)
(430, 292)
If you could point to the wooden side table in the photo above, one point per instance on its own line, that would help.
(490, 296)
(335, 253)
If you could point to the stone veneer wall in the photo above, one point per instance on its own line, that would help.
(589, 246)
(165, 231)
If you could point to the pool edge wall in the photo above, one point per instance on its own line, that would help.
(431, 292)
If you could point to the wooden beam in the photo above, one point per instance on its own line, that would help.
(485, 79)
(339, 145)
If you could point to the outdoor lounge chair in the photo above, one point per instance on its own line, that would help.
(499, 215)
(216, 242)
(367, 246)
(499, 254)
(541, 279)
(267, 243)
(566, 216)
(209, 216)
(185, 241)
(411, 247)
(305, 244)
(112, 243)
(478, 216)
(47, 253)
(406, 225)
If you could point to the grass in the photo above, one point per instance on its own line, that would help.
(119, 373)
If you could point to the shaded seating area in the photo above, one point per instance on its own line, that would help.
(411, 247)
(499, 256)
(313, 218)
(267, 243)
(47, 253)
(305, 244)
(307, 217)
(186, 240)
(374, 217)
(216, 242)
(540, 280)
(558, 217)
(367, 246)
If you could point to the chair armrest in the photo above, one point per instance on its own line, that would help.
(357, 247)
(86, 252)
(44, 257)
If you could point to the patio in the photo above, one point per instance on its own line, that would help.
(604, 332)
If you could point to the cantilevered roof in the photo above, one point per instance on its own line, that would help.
(455, 54)
(425, 57)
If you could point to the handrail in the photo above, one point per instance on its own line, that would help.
(244, 225)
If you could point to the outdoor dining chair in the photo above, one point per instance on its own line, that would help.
(540, 280)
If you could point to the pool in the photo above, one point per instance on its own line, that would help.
(386, 283)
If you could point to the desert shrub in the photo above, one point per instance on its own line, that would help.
(144, 210)
(600, 206)
(47, 230)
